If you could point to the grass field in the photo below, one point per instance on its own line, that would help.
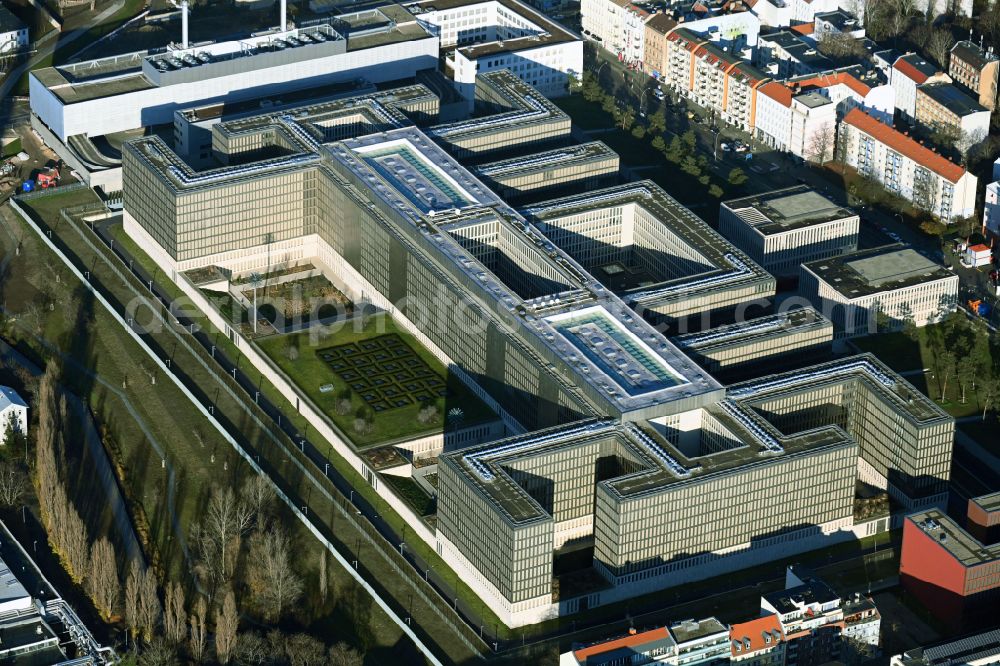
(905, 355)
(310, 371)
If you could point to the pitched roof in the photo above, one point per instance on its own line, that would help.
(804, 28)
(755, 632)
(594, 653)
(661, 23)
(778, 92)
(914, 67)
(8, 397)
(971, 53)
(904, 145)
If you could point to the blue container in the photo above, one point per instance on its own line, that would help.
(28, 186)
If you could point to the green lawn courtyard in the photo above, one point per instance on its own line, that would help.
(383, 372)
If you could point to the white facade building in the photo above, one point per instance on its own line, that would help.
(848, 92)
(13, 33)
(908, 72)
(482, 36)
(991, 203)
(13, 413)
(905, 167)
(894, 281)
(782, 229)
(803, 124)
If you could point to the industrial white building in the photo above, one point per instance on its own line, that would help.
(73, 104)
(13, 413)
(905, 167)
(894, 282)
(479, 36)
(782, 229)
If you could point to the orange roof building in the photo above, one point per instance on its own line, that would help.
(756, 638)
(906, 167)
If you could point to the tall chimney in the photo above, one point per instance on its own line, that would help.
(184, 24)
(284, 7)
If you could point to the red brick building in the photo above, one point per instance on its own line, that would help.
(948, 569)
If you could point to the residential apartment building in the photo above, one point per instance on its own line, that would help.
(815, 621)
(991, 203)
(618, 26)
(905, 167)
(977, 70)
(785, 228)
(758, 641)
(837, 22)
(804, 123)
(850, 88)
(943, 107)
(686, 643)
(13, 413)
(854, 290)
(655, 50)
(13, 33)
(906, 73)
(785, 54)
(743, 81)
(782, 13)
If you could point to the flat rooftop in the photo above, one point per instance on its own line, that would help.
(584, 153)
(812, 591)
(788, 209)
(989, 502)
(547, 31)
(906, 400)
(748, 332)
(877, 270)
(961, 545)
(118, 75)
(953, 99)
(690, 630)
(729, 267)
(978, 649)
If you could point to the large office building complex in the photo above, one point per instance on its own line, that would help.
(781, 230)
(543, 312)
(894, 283)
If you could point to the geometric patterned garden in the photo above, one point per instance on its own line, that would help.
(384, 372)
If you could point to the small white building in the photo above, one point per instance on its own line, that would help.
(13, 413)
(978, 255)
(13, 33)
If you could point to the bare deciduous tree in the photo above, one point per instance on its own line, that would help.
(304, 650)
(252, 650)
(259, 496)
(158, 652)
(74, 541)
(939, 45)
(103, 584)
(227, 519)
(226, 626)
(343, 654)
(274, 584)
(199, 633)
(174, 624)
(13, 484)
(133, 584)
(149, 604)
